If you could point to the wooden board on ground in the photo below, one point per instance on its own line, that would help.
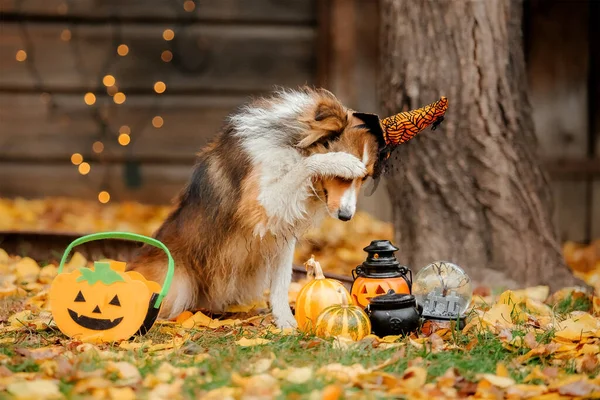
(30, 129)
(298, 11)
(211, 58)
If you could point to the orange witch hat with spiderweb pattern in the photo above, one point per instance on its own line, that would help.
(400, 128)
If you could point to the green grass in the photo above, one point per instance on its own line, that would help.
(478, 353)
(569, 304)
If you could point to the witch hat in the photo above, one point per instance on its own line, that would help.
(400, 128)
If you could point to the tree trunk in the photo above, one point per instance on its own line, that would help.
(471, 192)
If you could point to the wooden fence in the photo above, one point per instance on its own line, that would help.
(222, 53)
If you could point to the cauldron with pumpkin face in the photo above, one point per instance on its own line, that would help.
(105, 303)
(380, 273)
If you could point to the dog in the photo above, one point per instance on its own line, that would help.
(280, 164)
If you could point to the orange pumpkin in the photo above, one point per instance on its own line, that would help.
(346, 320)
(99, 302)
(105, 303)
(317, 295)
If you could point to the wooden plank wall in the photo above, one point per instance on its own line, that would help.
(558, 39)
(223, 52)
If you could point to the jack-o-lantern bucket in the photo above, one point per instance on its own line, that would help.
(105, 303)
(379, 273)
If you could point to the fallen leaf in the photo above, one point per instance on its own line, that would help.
(261, 366)
(578, 388)
(27, 270)
(127, 373)
(414, 377)
(34, 390)
(201, 320)
(498, 381)
(576, 327)
(502, 371)
(245, 342)
(126, 393)
(332, 392)
(342, 373)
(295, 375)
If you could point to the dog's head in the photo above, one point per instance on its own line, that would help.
(334, 128)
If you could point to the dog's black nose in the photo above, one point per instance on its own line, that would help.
(344, 216)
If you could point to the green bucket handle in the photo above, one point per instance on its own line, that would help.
(133, 237)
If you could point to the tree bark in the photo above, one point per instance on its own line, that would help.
(473, 191)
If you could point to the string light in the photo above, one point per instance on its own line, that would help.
(65, 35)
(45, 97)
(157, 121)
(124, 139)
(21, 55)
(125, 129)
(89, 98)
(160, 87)
(168, 34)
(119, 98)
(189, 6)
(84, 168)
(112, 90)
(108, 80)
(122, 50)
(76, 158)
(98, 147)
(166, 56)
(104, 197)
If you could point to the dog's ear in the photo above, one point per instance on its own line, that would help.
(327, 121)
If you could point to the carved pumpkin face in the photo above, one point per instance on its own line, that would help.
(100, 303)
(364, 289)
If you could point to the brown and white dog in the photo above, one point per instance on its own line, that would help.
(279, 166)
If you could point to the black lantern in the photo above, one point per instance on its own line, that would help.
(380, 272)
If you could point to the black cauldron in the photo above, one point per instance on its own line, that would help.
(394, 314)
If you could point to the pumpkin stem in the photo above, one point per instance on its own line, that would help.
(101, 273)
(313, 268)
(343, 297)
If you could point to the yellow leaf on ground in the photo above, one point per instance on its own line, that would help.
(134, 346)
(48, 273)
(202, 320)
(27, 319)
(525, 391)
(295, 375)
(223, 393)
(499, 381)
(414, 377)
(245, 342)
(76, 261)
(501, 370)
(539, 293)
(576, 327)
(261, 366)
(499, 314)
(342, 373)
(128, 374)
(27, 270)
(126, 393)
(4, 258)
(34, 390)
(183, 316)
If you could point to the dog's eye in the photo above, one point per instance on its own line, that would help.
(365, 178)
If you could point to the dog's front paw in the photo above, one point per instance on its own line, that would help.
(285, 320)
(338, 164)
